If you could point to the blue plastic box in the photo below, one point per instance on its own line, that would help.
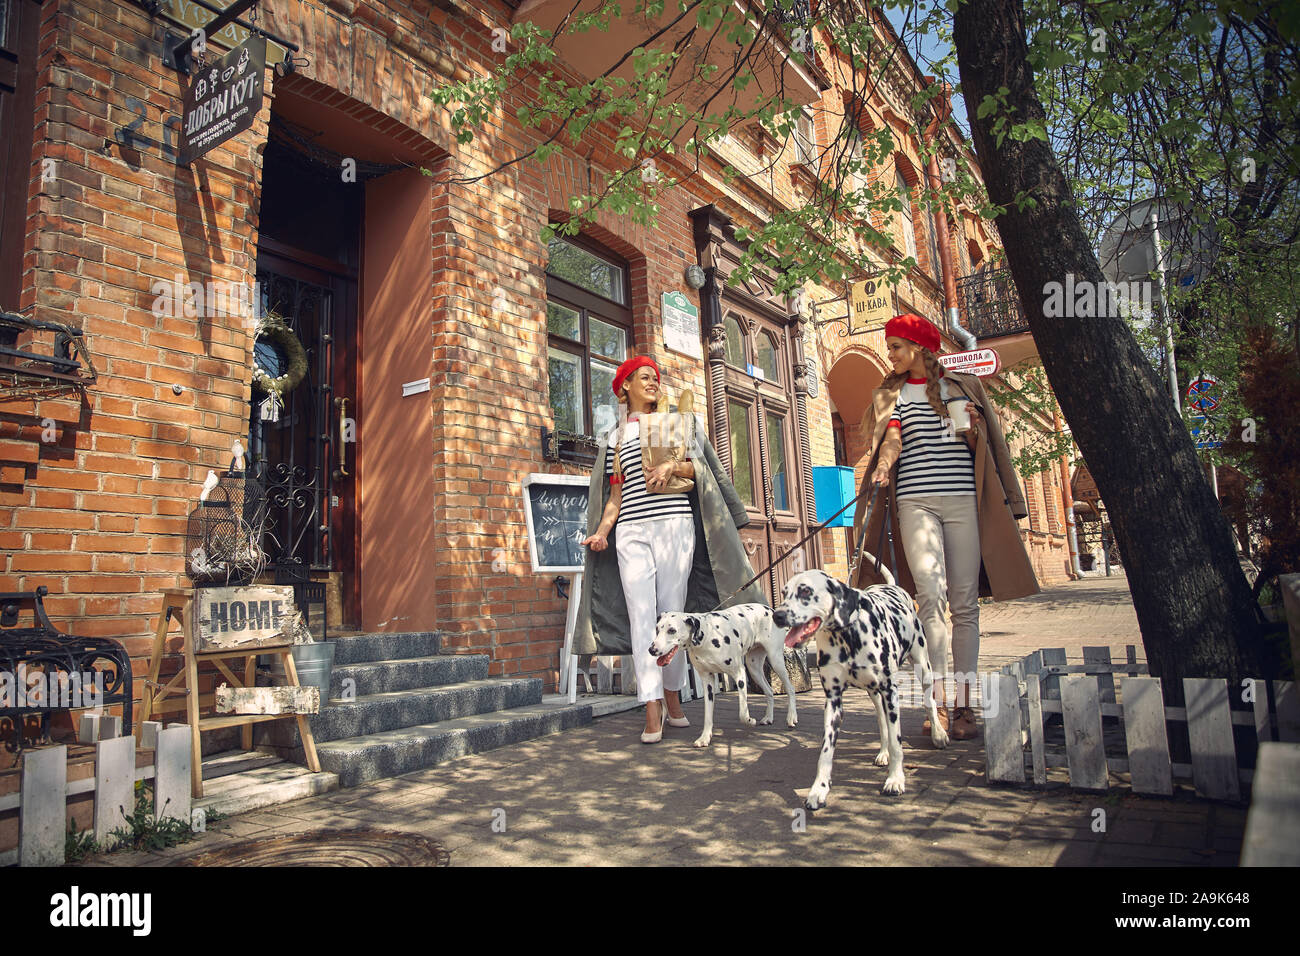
(833, 486)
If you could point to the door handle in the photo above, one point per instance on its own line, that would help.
(342, 470)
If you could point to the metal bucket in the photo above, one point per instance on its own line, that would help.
(314, 663)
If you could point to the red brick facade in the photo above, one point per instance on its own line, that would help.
(94, 496)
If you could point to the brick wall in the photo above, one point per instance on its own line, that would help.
(97, 512)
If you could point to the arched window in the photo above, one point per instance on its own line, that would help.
(765, 357)
(735, 342)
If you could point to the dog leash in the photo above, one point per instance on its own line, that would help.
(822, 527)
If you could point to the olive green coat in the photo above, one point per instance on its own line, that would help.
(1006, 572)
(720, 564)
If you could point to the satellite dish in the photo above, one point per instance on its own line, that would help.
(1189, 242)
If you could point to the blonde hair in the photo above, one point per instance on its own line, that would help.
(933, 372)
(660, 404)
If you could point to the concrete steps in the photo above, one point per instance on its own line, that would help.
(235, 761)
(359, 760)
(399, 705)
(377, 677)
(266, 781)
(392, 710)
(350, 648)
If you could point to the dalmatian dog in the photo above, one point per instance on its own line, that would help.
(727, 642)
(863, 638)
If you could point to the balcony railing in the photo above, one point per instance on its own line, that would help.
(990, 304)
(797, 15)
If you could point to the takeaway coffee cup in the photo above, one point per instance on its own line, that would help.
(960, 417)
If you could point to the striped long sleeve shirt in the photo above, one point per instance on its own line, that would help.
(934, 461)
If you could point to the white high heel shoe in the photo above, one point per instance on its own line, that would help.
(656, 737)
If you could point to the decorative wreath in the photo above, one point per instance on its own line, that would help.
(273, 328)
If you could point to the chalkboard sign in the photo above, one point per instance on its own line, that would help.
(556, 507)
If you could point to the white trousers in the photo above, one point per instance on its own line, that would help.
(654, 561)
(941, 538)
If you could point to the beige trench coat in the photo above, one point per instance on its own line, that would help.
(1006, 571)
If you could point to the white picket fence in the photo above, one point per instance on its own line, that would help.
(44, 788)
(1020, 698)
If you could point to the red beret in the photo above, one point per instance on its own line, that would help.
(630, 366)
(915, 329)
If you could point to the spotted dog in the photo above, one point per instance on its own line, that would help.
(862, 638)
(726, 642)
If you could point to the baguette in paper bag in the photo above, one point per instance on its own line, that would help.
(669, 436)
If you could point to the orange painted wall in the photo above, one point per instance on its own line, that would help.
(395, 434)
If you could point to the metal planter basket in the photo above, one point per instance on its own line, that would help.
(223, 540)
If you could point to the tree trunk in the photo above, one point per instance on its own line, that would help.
(1193, 603)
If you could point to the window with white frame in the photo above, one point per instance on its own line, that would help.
(909, 228)
(805, 140)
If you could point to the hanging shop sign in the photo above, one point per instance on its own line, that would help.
(981, 362)
(224, 98)
(681, 325)
(871, 305)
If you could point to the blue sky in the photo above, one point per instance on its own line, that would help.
(931, 48)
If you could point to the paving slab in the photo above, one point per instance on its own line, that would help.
(595, 796)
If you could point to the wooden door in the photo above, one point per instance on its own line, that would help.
(18, 36)
(307, 270)
(761, 415)
(305, 450)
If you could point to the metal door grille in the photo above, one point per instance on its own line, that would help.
(292, 456)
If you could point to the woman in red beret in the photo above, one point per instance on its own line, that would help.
(675, 551)
(655, 544)
(954, 499)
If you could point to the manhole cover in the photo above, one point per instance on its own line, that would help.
(328, 848)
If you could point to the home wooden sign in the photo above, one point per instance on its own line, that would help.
(231, 619)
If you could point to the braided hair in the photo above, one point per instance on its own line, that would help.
(933, 372)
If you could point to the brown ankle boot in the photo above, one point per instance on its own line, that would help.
(963, 724)
(944, 720)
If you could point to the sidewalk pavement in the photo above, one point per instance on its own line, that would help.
(596, 796)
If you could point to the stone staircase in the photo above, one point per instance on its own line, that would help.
(398, 705)
(237, 782)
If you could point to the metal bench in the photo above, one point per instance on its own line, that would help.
(71, 669)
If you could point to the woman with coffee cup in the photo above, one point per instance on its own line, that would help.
(940, 459)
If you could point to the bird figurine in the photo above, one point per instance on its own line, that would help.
(237, 449)
(208, 485)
